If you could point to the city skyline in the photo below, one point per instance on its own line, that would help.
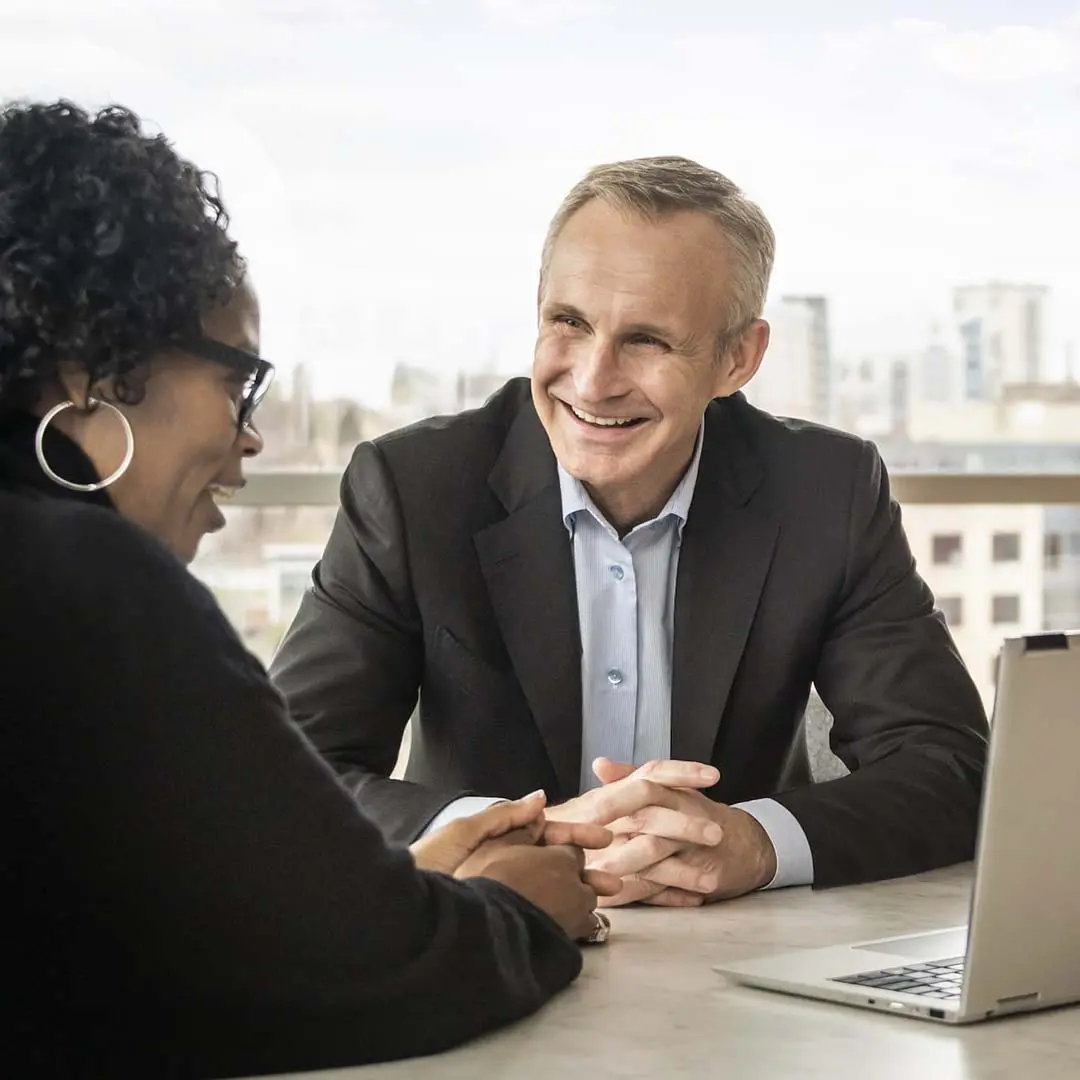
(391, 168)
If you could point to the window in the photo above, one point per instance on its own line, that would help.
(1005, 609)
(447, 300)
(952, 607)
(1061, 606)
(948, 550)
(259, 567)
(1052, 548)
(1006, 547)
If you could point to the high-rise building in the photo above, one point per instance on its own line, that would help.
(795, 378)
(936, 376)
(1002, 331)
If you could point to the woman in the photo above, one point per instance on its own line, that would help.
(195, 895)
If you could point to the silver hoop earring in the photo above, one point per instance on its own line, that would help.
(39, 448)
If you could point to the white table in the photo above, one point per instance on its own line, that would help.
(648, 1004)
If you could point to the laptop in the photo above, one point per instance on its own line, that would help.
(1021, 948)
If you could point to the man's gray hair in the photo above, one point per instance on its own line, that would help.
(656, 186)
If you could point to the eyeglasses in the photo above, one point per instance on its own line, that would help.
(259, 372)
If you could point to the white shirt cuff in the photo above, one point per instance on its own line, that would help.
(794, 860)
(459, 808)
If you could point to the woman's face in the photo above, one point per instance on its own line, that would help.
(189, 449)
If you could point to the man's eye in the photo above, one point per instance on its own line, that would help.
(647, 340)
(568, 320)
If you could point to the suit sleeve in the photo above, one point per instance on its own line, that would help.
(907, 718)
(351, 663)
(246, 896)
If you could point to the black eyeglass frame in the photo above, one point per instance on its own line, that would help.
(260, 372)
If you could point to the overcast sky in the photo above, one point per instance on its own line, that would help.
(391, 164)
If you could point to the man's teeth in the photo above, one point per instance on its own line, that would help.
(222, 492)
(602, 421)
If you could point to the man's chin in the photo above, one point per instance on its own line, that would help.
(598, 476)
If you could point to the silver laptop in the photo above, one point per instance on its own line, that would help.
(1021, 948)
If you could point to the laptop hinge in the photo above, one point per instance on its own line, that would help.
(1045, 642)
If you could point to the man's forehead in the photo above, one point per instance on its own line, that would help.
(607, 243)
(600, 226)
(651, 284)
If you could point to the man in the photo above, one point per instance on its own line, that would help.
(623, 562)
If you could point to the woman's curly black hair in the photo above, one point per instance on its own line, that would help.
(111, 246)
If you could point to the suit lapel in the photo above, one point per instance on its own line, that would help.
(727, 547)
(528, 565)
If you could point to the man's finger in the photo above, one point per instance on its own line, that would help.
(675, 898)
(679, 874)
(634, 890)
(671, 824)
(637, 854)
(580, 833)
(607, 771)
(621, 799)
(603, 883)
(689, 774)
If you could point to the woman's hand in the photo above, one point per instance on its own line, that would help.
(447, 848)
(554, 879)
(516, 823)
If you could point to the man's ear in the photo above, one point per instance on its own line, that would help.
(742, 360)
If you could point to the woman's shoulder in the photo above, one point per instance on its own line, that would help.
(71, 538)
(61, 553)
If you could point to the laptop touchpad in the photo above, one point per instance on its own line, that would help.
(938, 945)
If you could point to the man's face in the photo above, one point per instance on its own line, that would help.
(631, 313)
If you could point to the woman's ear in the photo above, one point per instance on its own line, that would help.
(74, 384)
(75, 387)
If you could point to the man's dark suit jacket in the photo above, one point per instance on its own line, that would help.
(449, 571)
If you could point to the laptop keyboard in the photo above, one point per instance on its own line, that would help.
(941, 979)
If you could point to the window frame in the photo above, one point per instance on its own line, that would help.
(319, 487)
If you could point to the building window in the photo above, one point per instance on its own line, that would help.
(947, 549)
(1006, 609)
(1006, 547)
(1052, 548)
(952, 607)
(1032, 340)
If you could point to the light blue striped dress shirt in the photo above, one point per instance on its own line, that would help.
(626, 609)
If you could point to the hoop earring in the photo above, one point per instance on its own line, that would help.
(39, 448)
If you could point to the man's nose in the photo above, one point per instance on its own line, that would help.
(597, 371)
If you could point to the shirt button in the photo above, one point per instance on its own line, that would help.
(617, 572)
(614, 676)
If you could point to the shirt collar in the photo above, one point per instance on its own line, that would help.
(575, 498)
